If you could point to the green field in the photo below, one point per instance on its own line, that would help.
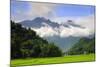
(54, 60)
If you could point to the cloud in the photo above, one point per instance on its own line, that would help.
(87, 22)
(61, 20)
(34, 9)
(74, 31)
(62, 31)
(41, 9)
(46, 31)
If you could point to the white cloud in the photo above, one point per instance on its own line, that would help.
(41, 9)
(86, 22)
(61, 20)
(46, 31)
(34, 10)
(74, 31)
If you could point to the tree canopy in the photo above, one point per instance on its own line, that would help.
(84, 46)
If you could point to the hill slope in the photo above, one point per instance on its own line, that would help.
(84, 46)
(26, 43)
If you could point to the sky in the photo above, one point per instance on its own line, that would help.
(21, 10)
(83, 15)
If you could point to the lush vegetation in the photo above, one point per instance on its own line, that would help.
(27, 48)
(53, 60)
(84, 46)
(26, 43)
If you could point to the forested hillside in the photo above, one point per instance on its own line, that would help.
(84, 46)
(26, 43)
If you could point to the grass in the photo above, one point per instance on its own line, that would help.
(53, 60)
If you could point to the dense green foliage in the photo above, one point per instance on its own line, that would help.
(26, 43)
(84, 46)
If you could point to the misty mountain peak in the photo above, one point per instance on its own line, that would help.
(69, 21)
(39, 19)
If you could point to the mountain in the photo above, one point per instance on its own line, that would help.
(63, 42)
(41, 21)
(83, 46)
(70, 22)
(38, 22)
